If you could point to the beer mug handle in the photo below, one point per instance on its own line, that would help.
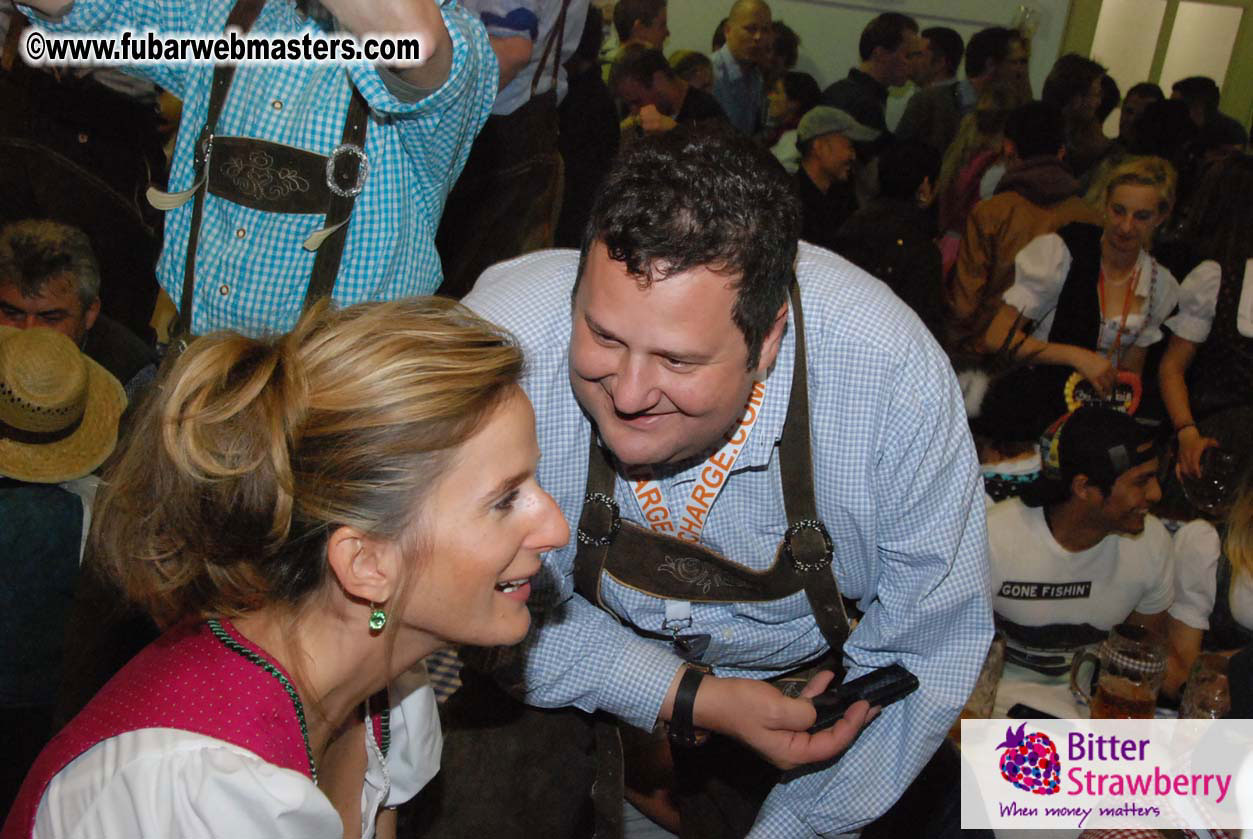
(1081, 688)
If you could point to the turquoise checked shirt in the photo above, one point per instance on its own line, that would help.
(251, 268)
(895, 479)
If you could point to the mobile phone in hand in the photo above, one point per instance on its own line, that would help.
(879, 687)
(1026, 712)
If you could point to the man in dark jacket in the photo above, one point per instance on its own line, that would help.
(658, 100)
(825, 138)
(995, 55)
(49, 277)
(893, 237)
(888, 46)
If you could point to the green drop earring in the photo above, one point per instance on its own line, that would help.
(378, 618)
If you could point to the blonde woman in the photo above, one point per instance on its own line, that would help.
(309, 517)
(1091, 298)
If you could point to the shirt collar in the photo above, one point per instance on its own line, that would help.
(967, 96)
(734, 70)
(769, 428)
(869, 81)
(804, 184)
(1144, 279)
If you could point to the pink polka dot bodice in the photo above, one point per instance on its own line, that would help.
(189, 680)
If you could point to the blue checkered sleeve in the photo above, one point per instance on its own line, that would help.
(135, 15)
(251, 269)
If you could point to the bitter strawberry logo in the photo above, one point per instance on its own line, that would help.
(1030, 762)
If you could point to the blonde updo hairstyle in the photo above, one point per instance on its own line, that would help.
(1238, 544)
(252, 451)
(1144, 171)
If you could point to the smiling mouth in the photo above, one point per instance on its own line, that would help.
(638, 419)
(512, 585)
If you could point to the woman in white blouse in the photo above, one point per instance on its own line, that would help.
(309, 517)
(1214, 325)
(1213, 608)
(1093, 298)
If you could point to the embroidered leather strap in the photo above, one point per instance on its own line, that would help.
(243, 15)
(666, 567)
(343, 170)
(807, 542)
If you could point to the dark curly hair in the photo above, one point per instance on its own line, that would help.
(714, 199)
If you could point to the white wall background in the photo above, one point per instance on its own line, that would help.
(1201, 42)
(829, 29)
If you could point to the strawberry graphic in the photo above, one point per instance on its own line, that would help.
(1030, 762)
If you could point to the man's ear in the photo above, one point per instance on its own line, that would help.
(366, 568)
(1085, 490)
(92, 312)
(773, 340)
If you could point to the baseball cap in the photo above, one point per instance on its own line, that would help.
(1096, 441)
(824, 119)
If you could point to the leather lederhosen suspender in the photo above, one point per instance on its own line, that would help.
(242, 170)
(556, 38)
(666, 567)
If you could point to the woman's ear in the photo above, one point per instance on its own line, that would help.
(367, 568)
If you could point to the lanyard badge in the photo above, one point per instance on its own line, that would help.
(691, 523)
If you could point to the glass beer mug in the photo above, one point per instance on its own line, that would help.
(1206, 695)
(1130, 665)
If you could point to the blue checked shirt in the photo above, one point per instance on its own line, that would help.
(896, 482)
(740, 92)
(251, 269)
(535, 20)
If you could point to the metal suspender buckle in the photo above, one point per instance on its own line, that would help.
(804, 563)
(363, 170)
(205, 149)
(615, 520)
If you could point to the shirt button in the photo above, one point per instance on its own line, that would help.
(240, 233)
(224, 289)
(277, 104)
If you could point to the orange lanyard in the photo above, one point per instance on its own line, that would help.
(710, 482)
(1126, 308)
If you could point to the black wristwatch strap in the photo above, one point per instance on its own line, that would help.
(682, 732)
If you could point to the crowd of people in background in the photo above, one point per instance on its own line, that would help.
(1091, 295)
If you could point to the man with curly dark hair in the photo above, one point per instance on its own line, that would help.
(718, 449)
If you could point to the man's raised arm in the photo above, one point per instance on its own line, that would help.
(419, 19)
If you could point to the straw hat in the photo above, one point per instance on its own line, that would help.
(59, 410)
